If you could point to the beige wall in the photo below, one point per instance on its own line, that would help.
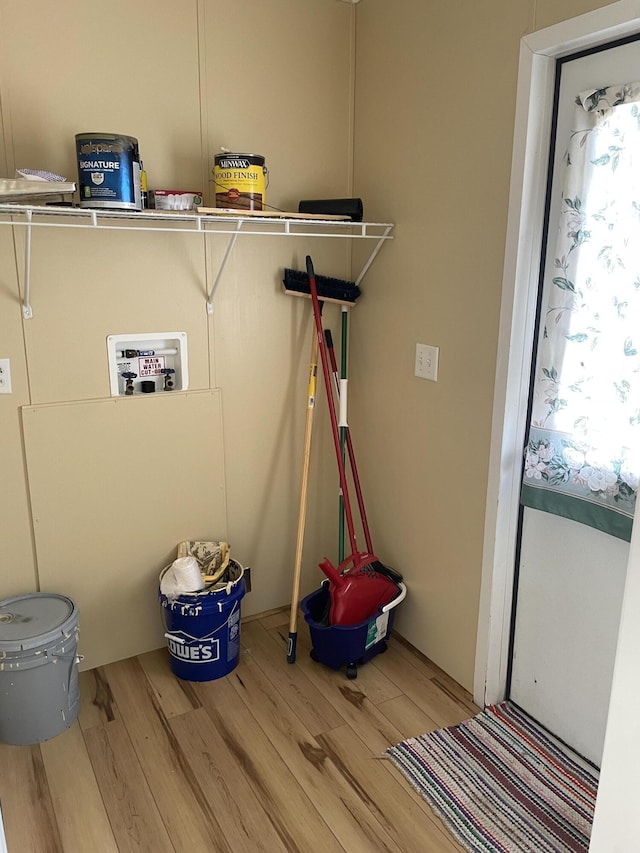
(435, 104)
(425, 136)
(184, 83)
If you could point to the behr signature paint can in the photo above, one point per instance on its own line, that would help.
(108, 171)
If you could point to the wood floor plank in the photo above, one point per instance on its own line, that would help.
(175, 695)
(404, 821)
(350, 699)
(313, 710)
(71, 780)
(416, 683)
(188, 818)
(242, 819)
(371, 681)
(276, 613)
(135, 820)
(27, 808)
(293, 813)
(407, 717)
(269, 757)
(439, 677)
(352, 822)
(276, 620)
(97, 705)
(457, 694)
(402, 647)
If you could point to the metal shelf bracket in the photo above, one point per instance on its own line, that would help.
(216, 281)
(27, 312)
(376, 249)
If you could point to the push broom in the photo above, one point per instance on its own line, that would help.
(371, 588)
(296, 283)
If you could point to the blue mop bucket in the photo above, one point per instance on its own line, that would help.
(203, 629)
(337, 645)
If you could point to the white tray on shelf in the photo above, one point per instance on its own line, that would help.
(19, 188)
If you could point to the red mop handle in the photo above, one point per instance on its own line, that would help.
(332, 408)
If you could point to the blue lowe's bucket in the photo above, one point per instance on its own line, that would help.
(203, 629)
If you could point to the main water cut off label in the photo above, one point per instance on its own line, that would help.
(151, 365)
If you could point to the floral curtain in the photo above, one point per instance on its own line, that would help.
(582, 459)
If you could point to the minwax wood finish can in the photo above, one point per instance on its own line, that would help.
(240, 181)
(108, 171)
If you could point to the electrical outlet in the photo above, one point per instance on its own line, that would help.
(5, 376)
(427, 362)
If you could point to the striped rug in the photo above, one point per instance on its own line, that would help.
(501, 784)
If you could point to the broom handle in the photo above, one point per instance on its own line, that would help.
(302, 513)
(330, 401)
(350, 451)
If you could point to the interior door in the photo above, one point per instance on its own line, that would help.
(570, 577)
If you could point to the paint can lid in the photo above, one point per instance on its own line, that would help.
(36, 619)
(240, 155)
(108, 136)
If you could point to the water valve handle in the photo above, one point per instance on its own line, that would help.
(168, 381)
(128, 376)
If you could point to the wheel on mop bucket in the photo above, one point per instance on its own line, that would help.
(352, 668)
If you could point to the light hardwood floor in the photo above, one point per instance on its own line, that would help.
(272, 757)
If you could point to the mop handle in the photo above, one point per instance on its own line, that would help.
(350, 451)
(302, 512)
(331, 404)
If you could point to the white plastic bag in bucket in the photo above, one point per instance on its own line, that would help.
(182, 576)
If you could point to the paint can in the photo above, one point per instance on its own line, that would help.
(108, 171)
(203, 628)
(39, 693)
(240, 181)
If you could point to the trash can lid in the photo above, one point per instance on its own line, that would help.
(35, 619)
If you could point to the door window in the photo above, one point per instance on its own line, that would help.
(582, 459)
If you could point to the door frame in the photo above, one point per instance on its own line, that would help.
(536, 75)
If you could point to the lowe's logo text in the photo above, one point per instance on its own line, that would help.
(201, 651)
